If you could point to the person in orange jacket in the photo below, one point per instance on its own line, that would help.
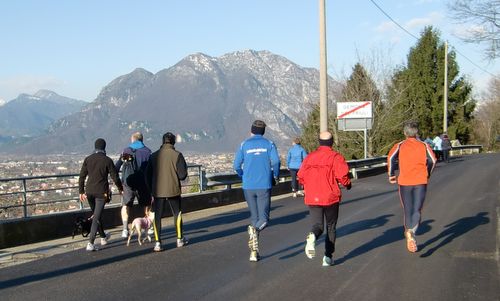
(416, 161)
(321, 173)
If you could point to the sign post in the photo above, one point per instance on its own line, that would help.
(355, 116)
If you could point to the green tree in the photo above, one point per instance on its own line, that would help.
(417, 93)
(310, 129)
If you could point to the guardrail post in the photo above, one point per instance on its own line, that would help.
(354, 174)
(25, 201)
(200, 179)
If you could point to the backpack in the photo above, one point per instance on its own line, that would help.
(131, 174)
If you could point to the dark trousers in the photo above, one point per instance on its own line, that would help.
(159, 205)
(446, 155)
(329, 214)
(412, 200)
(295, 184)
(97, 206)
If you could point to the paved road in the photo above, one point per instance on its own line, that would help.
(458, 257)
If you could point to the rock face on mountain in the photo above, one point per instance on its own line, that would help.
(30, 115)
(208, 102)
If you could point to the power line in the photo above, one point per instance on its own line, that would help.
(415, 37)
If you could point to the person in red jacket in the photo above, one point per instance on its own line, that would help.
(321, 173)
(415, 160)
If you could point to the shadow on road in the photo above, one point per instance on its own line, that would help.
(454, 230)
(92, 264)
(368, 196)
(389, 236)
(342, 231)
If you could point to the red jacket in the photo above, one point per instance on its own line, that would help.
(320, 173)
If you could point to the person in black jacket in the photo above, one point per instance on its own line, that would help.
(97, 167)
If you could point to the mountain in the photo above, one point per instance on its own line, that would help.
(30, 115)
(210, 102)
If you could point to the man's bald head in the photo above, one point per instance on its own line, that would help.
(325, 136)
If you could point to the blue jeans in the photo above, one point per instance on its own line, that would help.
(259, 203)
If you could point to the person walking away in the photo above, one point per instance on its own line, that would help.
(96, 190)
(294, 158)
(165, 170)
(446, 147)
(133, 162)
(416, 161)
(429, 141)
(438, 142)
(321, 173)
(257, 163)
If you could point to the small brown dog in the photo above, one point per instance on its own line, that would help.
(138, 225)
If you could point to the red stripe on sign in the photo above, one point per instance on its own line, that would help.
(353, 110)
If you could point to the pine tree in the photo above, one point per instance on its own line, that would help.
(417, 93)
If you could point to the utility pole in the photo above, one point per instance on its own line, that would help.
(323, 77)
(445, 96)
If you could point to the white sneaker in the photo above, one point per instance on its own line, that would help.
(182, 242)
(157, 247)
(254, 256)
(151, 231)
(327, 261)
(310, 245)
(294, 194)
(91, 247)
(125, 233)
(104, 240)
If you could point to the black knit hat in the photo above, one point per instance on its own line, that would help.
(258, 127)
(169, 138)
(100, 144)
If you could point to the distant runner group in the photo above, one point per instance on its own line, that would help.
(155, 180)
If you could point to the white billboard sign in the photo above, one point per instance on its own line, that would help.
(360, 109)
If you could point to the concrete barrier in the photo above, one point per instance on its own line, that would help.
(41, 228)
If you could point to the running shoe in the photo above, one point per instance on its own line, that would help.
(125, 233)
(157, 247)
(294, 194)
(151, 231)
(327, 261)
(104, 240)
(91, 247)
(181, 242)
(310, 245)
(411, 242)
(254, 256)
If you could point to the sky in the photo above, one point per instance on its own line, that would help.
(75, 48)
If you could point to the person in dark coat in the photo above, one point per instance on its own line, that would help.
(96, 191)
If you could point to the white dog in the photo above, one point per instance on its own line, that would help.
(138, 225)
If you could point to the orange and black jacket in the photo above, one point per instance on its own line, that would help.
(415, 160)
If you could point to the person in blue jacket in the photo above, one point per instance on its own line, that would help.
(296, 154)
(258, 164)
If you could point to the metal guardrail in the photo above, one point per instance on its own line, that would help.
(69, 184)
(229, 179)
(201, 180)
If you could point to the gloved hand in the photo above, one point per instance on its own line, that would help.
(348, 187)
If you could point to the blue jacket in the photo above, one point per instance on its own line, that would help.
(296, 154)
(257, 162)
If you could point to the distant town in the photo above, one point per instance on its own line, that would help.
(60, 193)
